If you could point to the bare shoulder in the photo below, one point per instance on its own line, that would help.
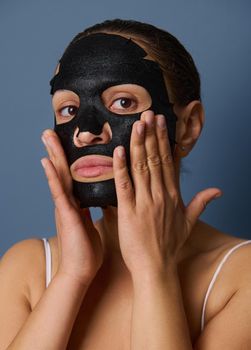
(231, 254)
(22, 256)
(24, 264)
(231, 251)
(228, 310)
(237, 261)
(227, 259)
(18, 268)
(219, 265)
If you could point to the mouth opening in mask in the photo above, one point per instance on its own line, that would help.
(92, 168)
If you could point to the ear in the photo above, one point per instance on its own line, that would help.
(189, 126)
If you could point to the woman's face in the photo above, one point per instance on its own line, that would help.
(103, 84)
(122, 100)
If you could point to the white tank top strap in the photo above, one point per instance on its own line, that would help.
(47, 260)
(226, 256)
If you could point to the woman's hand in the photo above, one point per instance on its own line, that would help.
(153, 225)
(79, 245)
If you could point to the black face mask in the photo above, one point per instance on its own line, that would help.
(88, 67)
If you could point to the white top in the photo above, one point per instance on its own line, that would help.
(226, 256)
(47, 261)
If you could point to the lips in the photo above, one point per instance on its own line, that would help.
(92, 166)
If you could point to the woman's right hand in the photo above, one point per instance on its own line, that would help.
(79, 244)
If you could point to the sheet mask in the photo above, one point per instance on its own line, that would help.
(88, 67)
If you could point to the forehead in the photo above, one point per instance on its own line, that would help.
(102, 49)
(106, 58)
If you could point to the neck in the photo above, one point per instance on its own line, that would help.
(108, 229)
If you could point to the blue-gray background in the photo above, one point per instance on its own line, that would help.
(33, 35)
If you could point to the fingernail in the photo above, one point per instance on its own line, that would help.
(161, 122)
(140, 128)
(47, 141)
(44, 140)
(121, 152)
(149, 119)
(218, 195)
(42, 162)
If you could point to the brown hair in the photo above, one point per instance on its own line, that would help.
(180, 72)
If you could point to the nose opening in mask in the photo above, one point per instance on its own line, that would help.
(84, 138)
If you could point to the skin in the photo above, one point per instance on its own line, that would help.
(125, 257)
(118, 262)
(111, 267)
(189, 126)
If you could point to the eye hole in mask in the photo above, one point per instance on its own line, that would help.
(65, 105)
(126, 99)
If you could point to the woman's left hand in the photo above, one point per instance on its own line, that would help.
(153, 225)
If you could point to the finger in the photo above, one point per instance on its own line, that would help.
(58, 158)
(124, 189)
(165, 155)
(58, 229)
(198, 204)
(152, 154)
(46, 144)
(139, 167)
(60, 199)
(56, 152)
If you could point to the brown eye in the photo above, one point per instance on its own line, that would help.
(68, 111)
(125, 102)
(122, 103)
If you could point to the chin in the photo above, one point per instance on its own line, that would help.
(95, 194)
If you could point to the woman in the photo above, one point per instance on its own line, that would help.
(144, 275)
